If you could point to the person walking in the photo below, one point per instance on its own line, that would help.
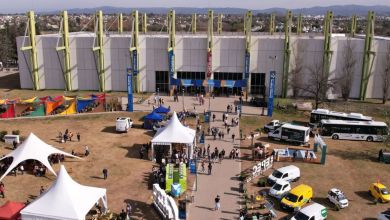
(78, 136)
(233, 136)
(203, 170)
(210, 167)
(128, 211)
(86, 151)
(228, 129)
(21, 168)
(42, 190)
(213, 117)
(2, 190)
(217, 203)
(105, 173)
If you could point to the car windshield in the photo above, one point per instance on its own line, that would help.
(385, 191)
(301, 216)
(341, 197)
(277, 187)
(291, 197)
(277, 174)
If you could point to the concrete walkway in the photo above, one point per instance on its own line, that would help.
(223, 181)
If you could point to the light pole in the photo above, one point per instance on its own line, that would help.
(183, 98)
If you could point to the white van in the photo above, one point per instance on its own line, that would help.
(280, 189)
(10, 138)
(314, 211)
(291, 133)
(123, 124)
(288, 173)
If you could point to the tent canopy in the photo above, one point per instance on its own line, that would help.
(174, 132)
(65, 199)
(154, 116)
(10, 210)
(162, 109)
(35, 149)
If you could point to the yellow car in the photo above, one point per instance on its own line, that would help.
(379, 192)
(297, 197)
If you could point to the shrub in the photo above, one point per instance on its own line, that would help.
(16, 132)
(2, 134)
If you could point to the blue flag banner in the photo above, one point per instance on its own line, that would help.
(247, 60)
(129, 91)
(270, 108)
(135, 62)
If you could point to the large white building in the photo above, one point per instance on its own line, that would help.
(228, 58)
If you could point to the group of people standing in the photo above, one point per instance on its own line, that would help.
(67, 136)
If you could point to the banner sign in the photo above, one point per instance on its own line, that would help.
(247, 60)
(171, 64)
(129, 90)
(209, 64)
(271, 93)
(135, 62)
(261, 167)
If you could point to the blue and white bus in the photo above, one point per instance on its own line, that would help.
(319, 114)
(354, 130)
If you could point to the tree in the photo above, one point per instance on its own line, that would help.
(345, 80)
(317, 84)
(296, 72)
(386, 75)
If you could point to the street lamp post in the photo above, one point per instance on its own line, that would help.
(183, 98)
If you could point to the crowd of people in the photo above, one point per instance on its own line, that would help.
(67, 136)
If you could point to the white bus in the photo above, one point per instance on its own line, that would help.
(354, 130)
(319, 114)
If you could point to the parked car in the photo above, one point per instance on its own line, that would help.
(338, 198)
(384, 215)
(288, 173)
(274, 124)
(123, 124)
(379, 192)
(280, 189)
(258, 102)
(297, 198)
(314, 211)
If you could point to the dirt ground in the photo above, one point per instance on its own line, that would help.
(350, 166)
(128, 178)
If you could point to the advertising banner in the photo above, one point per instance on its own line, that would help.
(129, 91)
(171, 66)
(247, 59)
(209, 64)
(271, 93)
(135, 62)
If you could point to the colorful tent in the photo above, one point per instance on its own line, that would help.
(11, 210)
(162, 110)
(71, 109)
(9, 111)
(31, 100)
(52, 105)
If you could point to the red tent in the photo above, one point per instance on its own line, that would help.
(11, 210)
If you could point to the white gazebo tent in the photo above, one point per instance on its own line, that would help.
(35, 149)
(174, 132)
(65, 199)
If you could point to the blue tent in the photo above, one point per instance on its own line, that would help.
(162, 109)
(154, 117)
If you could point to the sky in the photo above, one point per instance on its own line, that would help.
(18, 6)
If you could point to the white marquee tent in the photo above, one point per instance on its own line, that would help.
(174, 132)
(65, 199)
(35, 149)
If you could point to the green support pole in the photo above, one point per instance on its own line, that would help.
(66, 49)
(287, 52)
(369, 55)
(353, 26)
(219, 30)
(171, 46)
(299, 25)
(120, 23)
(134, 51)
(100, 51)
(327, 57)
(33, 49)
(144, 23)
(193, 23)
(248, 40)
(272, 24)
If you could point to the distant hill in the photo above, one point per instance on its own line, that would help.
(343, 10)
